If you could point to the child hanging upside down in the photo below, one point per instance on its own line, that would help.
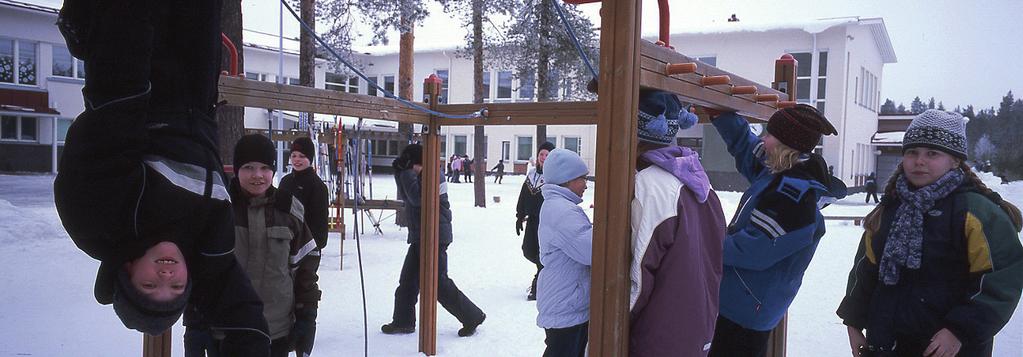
(139, 185)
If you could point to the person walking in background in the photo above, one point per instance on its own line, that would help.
(456, 168)
(276, 249)
(305, 185)
(499, 171)
(408, 175)
(871, 188)
(939, 270)
(566, 244)
(678, 230)
(527, 211)
(467, 168)
(775, 231)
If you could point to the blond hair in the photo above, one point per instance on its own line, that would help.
(781, 158)
(872, 222)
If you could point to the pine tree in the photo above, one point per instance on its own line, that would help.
(917, 106)
(941, 106)
(930, 103)
(888, 107)
(901, 109)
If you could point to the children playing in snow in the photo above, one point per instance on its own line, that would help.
(308, 188)
(276, 249)
(527, 211)
(140, 186)
(939, 270)
(677, 233)
(566, 243)
(777, 226)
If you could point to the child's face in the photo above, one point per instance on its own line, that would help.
(255, 178)
(299, 161)
(541, 157)
(160, 274)
(577, 186)
(924, 166)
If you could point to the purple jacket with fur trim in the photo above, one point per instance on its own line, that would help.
(677, 233)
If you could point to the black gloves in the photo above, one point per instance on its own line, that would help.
(518, 225)
(304, 331)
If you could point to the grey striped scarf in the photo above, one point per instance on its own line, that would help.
(904, 247)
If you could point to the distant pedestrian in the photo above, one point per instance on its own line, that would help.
(871, 188)
(467, 168)
(566, 244)
(456, 168)
(499, 169)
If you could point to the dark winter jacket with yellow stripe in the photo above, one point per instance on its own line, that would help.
(276, 249)
(969, 280)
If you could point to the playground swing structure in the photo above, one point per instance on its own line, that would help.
(627, 64)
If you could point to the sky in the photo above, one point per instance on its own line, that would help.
(959, 52)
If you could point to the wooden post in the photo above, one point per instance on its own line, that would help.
(615, 156)
(157, 346)
(784, 81)
(430, 223)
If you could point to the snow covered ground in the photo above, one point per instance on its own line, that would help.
(47, 307)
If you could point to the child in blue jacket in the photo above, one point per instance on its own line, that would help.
(775, 231)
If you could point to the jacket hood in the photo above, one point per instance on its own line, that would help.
(815, 168)
(684, 164)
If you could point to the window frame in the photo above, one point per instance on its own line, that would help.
(578, 143)
(18, 128)
(518, 148)
(16, 62)
(77, 65)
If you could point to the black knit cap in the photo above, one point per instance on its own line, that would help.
(547, 145)
(799, 127)
(305, 146)
(411, 155)
(143, 314)
(255, 147)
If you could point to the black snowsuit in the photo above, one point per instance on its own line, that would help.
(528, 208)
(140, 164)
(406, 295)
(307, 187)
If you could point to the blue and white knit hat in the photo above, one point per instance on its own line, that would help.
(937, 129)
(661, 115)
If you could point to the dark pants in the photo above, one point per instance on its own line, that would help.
(468, 175)
(531, 246)
(452, 299)
(280, 347)
(869, 195)
(498, 177)
(915, 347)
(732, 340)
(566, 342)
(456, 175)
(199, 343)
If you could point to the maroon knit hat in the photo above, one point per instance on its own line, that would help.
(799, 127)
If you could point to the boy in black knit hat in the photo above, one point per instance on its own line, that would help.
(306, 185)
(140, 186)
(275, 248)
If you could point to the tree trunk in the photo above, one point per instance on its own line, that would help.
(543, 64)
(230, 119)
(406, 69)
(479, 135)
(307, 56)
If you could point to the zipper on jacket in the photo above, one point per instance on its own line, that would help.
(756, 308)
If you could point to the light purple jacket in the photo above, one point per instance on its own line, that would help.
(677, 233)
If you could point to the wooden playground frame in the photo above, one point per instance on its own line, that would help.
(627, 64)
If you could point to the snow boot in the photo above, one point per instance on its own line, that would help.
(470, 328)
(395, 329)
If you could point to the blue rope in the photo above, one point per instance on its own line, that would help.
(387, 93)
(575, 40)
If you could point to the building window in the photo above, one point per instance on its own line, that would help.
(389, 84)
(460, 144)
(371, 86)
(18, 128)
(341, 83)
(711, 60)
(573, 144)
(291, 81)
(822, 80)
(527, 86)
(66, 66)
(486, 84)
(504, 85)
(553, 140)
(506, 150)
(392, 148)
(443, 146)
(255, 76)
(62, 127)
(524, 145)
(22, 53)
(866, 90)
(805, 76)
